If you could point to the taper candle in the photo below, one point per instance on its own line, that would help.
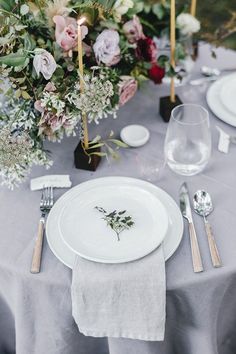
(172, 46)
(81, 70)
(193, 7)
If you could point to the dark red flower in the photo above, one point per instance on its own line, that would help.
(146, 50)
(156, 73)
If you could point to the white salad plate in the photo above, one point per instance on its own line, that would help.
(172, 236)
(215, 101)
(228, 93)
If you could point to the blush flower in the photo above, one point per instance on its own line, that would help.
(127, 89)
(66, 32)
(146, 50)
(133, 30)
(106, 48)
(38, 106)
(50, 87)
(44, 63)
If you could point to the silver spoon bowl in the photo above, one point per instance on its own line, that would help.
(203, 206)
(202, 203)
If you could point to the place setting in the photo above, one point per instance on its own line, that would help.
(112, 227)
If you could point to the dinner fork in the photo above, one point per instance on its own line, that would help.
(46, 204)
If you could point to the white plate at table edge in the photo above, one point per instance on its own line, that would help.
(66, 256)
(216, 105)
(156, 221)
(226, 90)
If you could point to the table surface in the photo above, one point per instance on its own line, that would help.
(35, 310)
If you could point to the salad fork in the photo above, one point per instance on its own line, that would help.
(46, 203)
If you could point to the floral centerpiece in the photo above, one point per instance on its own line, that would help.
(39, 67)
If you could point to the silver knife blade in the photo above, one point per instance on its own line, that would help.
(185, 206)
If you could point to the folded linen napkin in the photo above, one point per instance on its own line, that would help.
(57, 181)
(120, 300)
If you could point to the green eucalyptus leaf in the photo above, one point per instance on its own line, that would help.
(59, 73)
(29, 42)
(147, 8)
(102, 154)
(13, 59)
(118, 143)
(138, 7)
(95, 140)
(162, 60)
(95, 146)
(7, 5)
(158, 10)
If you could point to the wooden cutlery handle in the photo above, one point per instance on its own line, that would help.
(196, 256)
(215, 257)
(36, 260)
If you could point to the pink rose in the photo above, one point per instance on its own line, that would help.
(106, 47)
(127, 89)
(38, 106)
(146, 50)
(66, 32)
(44, 63)
(133, 30)
(50, 124)
(50, 87)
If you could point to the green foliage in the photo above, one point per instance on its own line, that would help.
(118, 221)
(7, 5)
(14, 59)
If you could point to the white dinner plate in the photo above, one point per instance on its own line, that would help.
(113, 224)
(228, 93)
(67, 256)
(215, 103)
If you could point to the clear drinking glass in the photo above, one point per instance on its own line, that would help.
(188, 139)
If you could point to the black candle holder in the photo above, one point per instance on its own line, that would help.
(166, 107)
(84, 160)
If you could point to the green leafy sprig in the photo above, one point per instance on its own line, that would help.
(117, 220)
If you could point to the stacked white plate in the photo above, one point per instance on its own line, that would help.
(76, 227)
(221, 98)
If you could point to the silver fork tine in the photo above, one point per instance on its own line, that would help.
(47, 202)
(42, 197)
(51, 195)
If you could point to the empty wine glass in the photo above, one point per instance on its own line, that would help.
(188, 139)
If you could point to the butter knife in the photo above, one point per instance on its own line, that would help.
(185, 208)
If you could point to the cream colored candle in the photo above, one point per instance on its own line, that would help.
(81, 70)
(172, 46)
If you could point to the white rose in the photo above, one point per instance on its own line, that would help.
(44, 63)
(187, 24)
(121, 7)
(106, 47)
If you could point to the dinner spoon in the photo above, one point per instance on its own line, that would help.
(203, 206)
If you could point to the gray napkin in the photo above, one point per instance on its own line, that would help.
(120, 300)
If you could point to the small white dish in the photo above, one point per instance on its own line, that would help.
(135, 135)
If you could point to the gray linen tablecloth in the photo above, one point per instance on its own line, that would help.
(35, 310)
